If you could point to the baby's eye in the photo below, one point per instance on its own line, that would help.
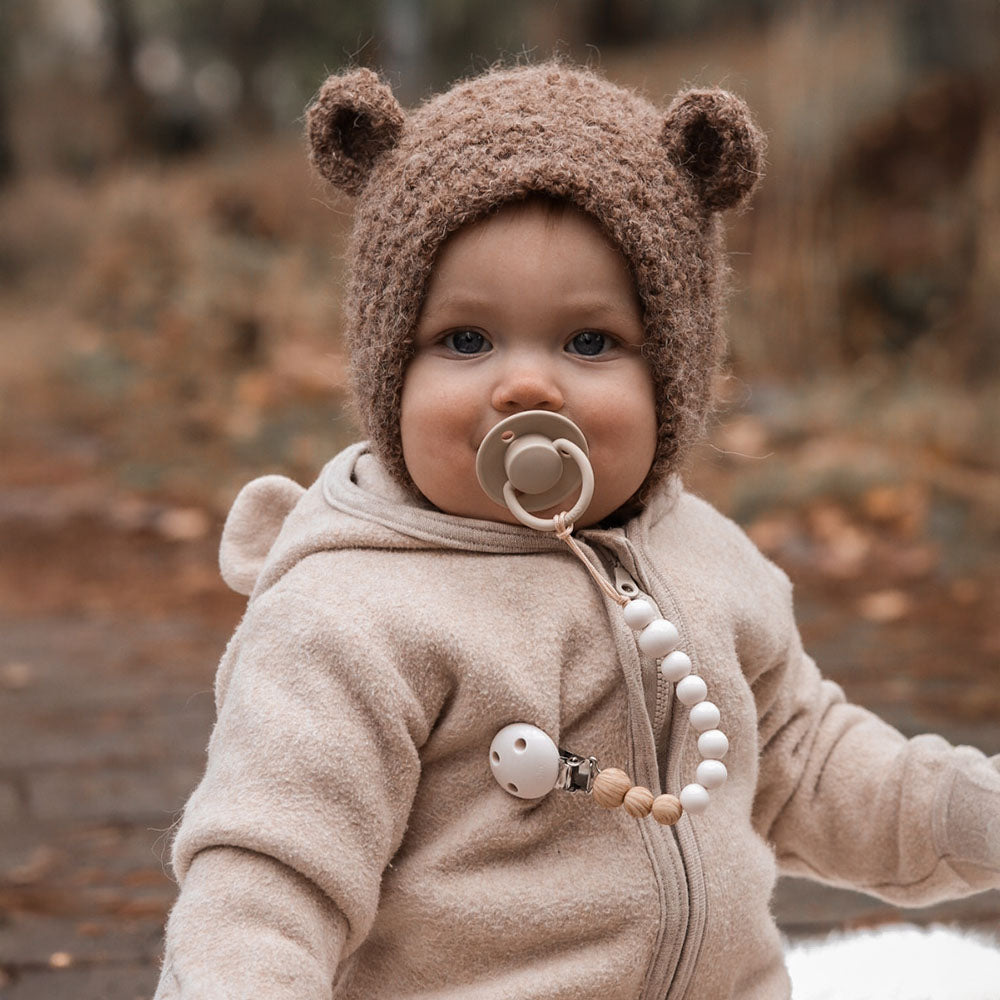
(467, 342)
(589, 343)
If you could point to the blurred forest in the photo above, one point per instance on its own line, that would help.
(170, 271)
(170, 276)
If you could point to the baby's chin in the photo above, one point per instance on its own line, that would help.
(462, 496)
(485, 509)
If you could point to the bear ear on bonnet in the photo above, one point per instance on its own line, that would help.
(351, 123)
(711, 137)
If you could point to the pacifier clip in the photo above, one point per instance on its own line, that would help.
(532, 461)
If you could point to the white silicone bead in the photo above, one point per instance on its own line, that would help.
(704, 716)
(659, 638)
(713, 744)
(712, 774)
(694, 798)
(675, 666)
(524, 760)
(691, 690)
(639, 613)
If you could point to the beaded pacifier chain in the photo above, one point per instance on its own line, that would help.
(532, 461)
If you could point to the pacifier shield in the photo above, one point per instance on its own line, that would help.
(520, 450)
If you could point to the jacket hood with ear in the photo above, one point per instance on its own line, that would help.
(274, 523)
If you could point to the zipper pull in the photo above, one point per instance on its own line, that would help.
(625, 585)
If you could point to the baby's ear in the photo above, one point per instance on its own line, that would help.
(711, 137)
(351, 123)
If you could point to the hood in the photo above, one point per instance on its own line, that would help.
(274, 522)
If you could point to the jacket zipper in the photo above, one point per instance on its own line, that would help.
(683, 835)
(664, 850)
(627, 587)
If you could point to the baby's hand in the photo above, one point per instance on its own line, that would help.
(972, 823)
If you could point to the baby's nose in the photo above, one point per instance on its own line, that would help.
(527, 387)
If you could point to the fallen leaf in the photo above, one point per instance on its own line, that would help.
(901, 507)
(965, 591)
(183, 524)
(844, 553)
(884, 606)
(16, 675)
(42, 860)
(772, 532)
(745, 435)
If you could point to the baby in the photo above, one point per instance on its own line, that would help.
(535, 241)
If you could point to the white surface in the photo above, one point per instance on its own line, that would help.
(694, 798)
(712, 774)
(896, 963)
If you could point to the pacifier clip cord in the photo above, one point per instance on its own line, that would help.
(527, 763)
(524, 759)
(612, 787)
(564, 532)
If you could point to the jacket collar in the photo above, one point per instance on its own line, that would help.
(356, 483)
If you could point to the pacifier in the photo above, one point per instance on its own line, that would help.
(534, 460)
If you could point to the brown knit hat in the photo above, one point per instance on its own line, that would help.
(653, 180)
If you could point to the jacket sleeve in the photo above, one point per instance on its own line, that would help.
(247, 926)
(312, 769)
(846, 799)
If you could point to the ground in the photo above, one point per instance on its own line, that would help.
(112, 619)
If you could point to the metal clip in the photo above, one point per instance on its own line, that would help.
(576, 774)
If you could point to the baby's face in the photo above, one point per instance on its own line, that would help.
(529, 309)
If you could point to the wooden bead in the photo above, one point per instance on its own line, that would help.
(610, 787)
(667, 809)
(638, 801)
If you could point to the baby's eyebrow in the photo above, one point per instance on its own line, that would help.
(584, 302)
(591, 304)
(461, 300)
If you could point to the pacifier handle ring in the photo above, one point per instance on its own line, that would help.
(579, 456)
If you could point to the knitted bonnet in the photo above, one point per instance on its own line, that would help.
(654, 181)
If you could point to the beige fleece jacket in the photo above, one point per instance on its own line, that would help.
(348, 839)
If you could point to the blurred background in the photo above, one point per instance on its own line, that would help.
(170, 280)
